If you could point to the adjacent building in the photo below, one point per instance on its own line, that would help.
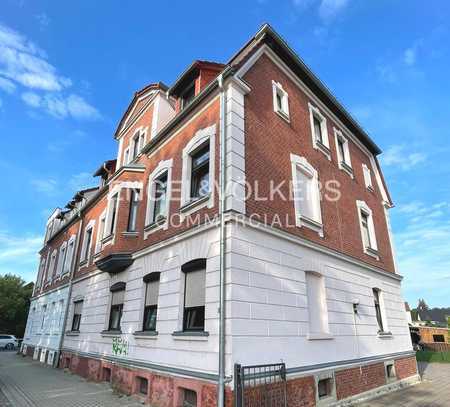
(243, 222)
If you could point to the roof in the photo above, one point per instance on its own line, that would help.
(272, 39)
(191, 73)
(152, 86)
(434, 314)
(105, 167)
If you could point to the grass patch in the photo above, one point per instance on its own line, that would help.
(433, 357)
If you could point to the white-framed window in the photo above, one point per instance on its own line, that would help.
(280, 100)
(151, 284)
(113, 205)
(367, 227)
(126, 156)
(135, 145)
(51, 266)
(159, 193)
(61, 258)
(198, 168)
(135, 197)
(319, 130)
(306, 191)
(100, 231)
(69, 255)
(76, 318)
(343, 152)
(380, 312)
(87, 242)
(194, 295)
(317, 306)
(367, 177)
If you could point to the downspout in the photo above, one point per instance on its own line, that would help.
(222, 189)
(71, 275)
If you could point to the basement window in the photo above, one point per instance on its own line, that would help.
(106, 374)
(189, 398)
(142, 385)
(325, 388)
(390, 371)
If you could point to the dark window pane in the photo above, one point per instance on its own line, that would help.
(115, 317)
(194, 319)
(188, 96)
(189, 398)
(143, 385)
(376, 297)
(150, 314)
(134, 204)
(200, 173)
(318, 130)
(324, 388)
(113, 213)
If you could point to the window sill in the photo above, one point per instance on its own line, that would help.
(107, 239)
(311, 224)
(319, 336)
(83, 263)
(346, 168)
(145, 334)
(385, 335)
(130, 234)
(190, 335)
(370, 188)
(371, 252)
(193, 204)
(323, 149)
(72, 333)
(155, 224)
(111, 332)
(283, 115)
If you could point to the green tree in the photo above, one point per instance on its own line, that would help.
(15, 296)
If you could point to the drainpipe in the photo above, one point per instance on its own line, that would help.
(221, 384)
(72, 273)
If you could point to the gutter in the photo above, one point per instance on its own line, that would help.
(223, 112)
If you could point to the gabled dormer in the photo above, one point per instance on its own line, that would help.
(148, 112)
(105, 171)
(193, 81)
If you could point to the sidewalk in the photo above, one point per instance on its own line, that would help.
(28, 383)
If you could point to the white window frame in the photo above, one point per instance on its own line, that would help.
(371, 250)
(69, 257)
(344, 163)
(115, 191)
(61, 259)
(100, 233)
(200, 138)
(367, 173)
(277, 89)
(126, 156)
(162, 167)
(325, 146)
(302, 164)
(384, 319)
(324, 333)
(52, 265)
(87, 250)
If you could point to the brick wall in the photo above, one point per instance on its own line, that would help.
(269, 142)
(405, 367)
(350, 382)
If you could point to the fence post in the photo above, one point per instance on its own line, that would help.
(237, 385)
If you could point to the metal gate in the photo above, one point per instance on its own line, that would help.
(260, 385)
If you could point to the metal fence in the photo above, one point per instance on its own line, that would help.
(260, 385)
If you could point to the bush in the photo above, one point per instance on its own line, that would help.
(433, 357)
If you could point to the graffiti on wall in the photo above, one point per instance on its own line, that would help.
(120, 346)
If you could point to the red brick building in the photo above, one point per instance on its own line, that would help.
(243, 222)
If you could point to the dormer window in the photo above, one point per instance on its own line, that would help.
(188, 95)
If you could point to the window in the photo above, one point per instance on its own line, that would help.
(44, 310)
(135, 146)
(87, 243)
(134, 205)
(317, 305)
(117, 299)
(69, 256)
(51, 267)
(376, 299)
(112, 213)
(126, 156)
(61, 258)
(324, 388)
(142, 385)
(280, 100)
(319, 131)
(367, 177)
(438, 338)
(194, 295)
(151, 301)
(343, 152)
(160, 198)
(306, 194)
(390, 371)
(367, 227)
(189, 398)
(100, 232)
(188, 95)
(200, 172)
(77, 308)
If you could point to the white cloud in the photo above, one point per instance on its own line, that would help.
(409, 56)
(43, 20)
(31, 99)
(398, 156)
(47, 186)
(81, 181)
(7, 85)
(329, 9)
(22, 63)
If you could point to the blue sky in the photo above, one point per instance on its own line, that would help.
(68, 71)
